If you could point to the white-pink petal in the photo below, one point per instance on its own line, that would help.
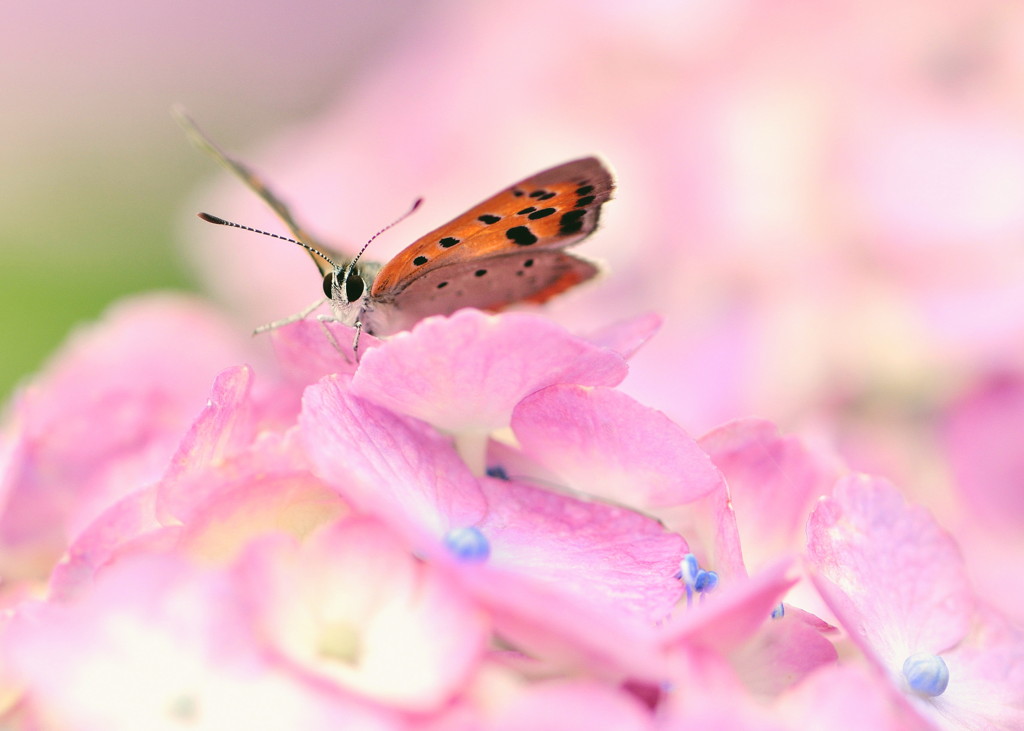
(353, 607)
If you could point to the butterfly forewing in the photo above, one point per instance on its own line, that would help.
(501, 280)
(552, 209)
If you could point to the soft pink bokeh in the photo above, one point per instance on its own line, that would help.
(814, 260)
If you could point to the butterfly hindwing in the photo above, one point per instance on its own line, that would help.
(500, 280)
(555, 208)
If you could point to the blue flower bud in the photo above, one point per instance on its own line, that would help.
(468, 544)
(926, 674)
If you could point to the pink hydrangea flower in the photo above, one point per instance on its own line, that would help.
(104, 418)
(394, 610)
(897, 583)
(520, 549)
(344, 556)
(352, 608)
(158, 642)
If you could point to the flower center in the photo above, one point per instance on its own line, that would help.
(468, 544)
(926, 674)
(695, 578)
(338, 641)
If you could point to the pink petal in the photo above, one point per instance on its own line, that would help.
(467, 372)
(704, 692)
(610, 555)
(574, 583)
(403, 473)
(983, 434)
(626, 337)
(310, 349)
(577, 584)
(125, 521)
(769, 475)
(183, 494)
(732, 613)
(783, 653)
(986, 687)
(981, 437)
(615, 563)
(892, 576)
(847, 698)
(709, 525)
(224, 427)
(106, 415)
(572, 704)
(603, 443)
(569, 633)
(153, 644)
(263, 490)
(388, 465)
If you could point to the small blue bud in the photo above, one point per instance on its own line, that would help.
(706, 581)
(926, 674)
(497, 472)
(468, 544)
(779, 612)
(688, 569)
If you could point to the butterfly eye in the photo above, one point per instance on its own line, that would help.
(329, 285)
(354, 287)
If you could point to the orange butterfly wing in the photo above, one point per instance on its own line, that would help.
(555, 208)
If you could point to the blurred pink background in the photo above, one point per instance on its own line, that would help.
(825, 202)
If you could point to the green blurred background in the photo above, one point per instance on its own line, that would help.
(94, 172)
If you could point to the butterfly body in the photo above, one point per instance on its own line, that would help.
(506, 250)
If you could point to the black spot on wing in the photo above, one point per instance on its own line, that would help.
(542, 213)
(448, 241)
(521, 235)
(488, 218)
(571, 222)
(419, 261)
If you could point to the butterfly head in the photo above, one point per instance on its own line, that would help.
(344, 285)
(348, 287)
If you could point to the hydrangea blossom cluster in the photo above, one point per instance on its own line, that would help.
(468, 528)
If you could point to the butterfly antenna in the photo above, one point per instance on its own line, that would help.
(412, 209)
(209, 218)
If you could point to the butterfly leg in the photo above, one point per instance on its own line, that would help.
(355, 340)
(289, 320)
(323, 320)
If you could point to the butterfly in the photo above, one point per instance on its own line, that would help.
(508, 249)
